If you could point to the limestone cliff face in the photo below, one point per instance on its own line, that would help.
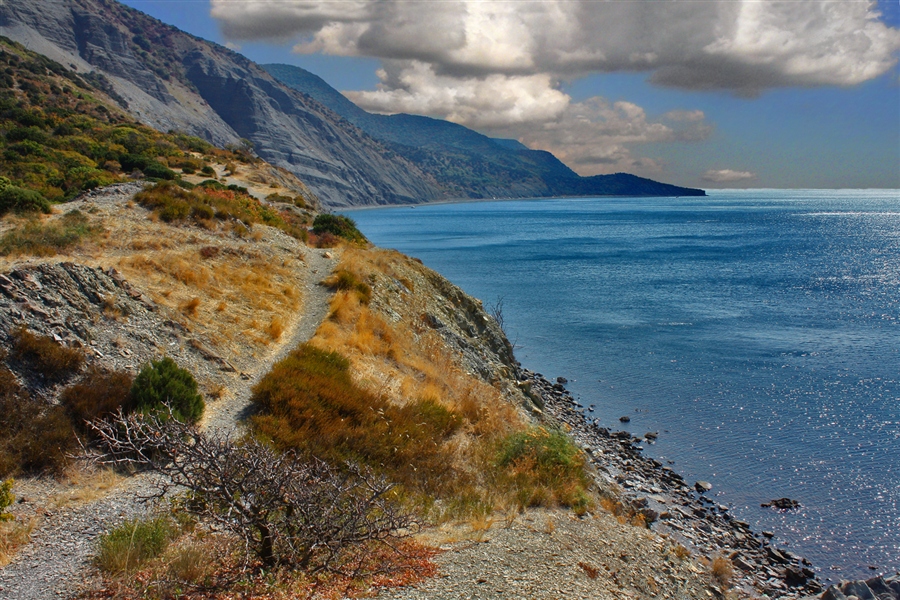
(171, 80)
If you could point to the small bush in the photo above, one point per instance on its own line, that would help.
(96, 395)
(339, 225)
(34, 437)
(545, 467)
(6, 499)
(208, 170)
(161, 384)
(16, 199)
(45, 355)
(345, 280)
(128, 546)
(722, 571)
(310, 403)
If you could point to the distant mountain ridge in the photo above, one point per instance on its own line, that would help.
(466, 161)
(171, 80)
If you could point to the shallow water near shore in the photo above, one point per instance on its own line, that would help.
(757, 331)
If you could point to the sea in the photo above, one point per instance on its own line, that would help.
(757, 331)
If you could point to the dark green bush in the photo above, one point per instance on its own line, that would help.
(339, 225)
(163, 383)
(545, 467)
(17, 199)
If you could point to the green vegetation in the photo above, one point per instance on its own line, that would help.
(6, 499)
(47, 239)
(125, 548)
(58, 139)
(212, 200)
(544, 467)
(16, 199)
(339, 226)
(161, 384)
(309, 403)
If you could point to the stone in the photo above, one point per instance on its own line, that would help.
(703, 486)
(781, 503)
(625, 419)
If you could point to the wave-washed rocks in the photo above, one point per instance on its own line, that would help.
(674, 507)
(877, 588)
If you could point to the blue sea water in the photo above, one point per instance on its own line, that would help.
(757, 331)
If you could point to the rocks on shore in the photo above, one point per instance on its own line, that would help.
(674, 507)
(877, 588)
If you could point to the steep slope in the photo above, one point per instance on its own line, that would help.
(469, 164)
(171, 80)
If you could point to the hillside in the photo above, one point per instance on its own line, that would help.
(170, 80)
(466, 163)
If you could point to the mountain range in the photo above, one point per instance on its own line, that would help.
(171, 80)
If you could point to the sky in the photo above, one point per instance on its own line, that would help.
(703, 93)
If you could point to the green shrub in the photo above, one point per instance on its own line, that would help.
(6, 499)
(162, 383)
(45, 355)
(208, 170)
(128, 546)
(97, 394)
(545, 468)
(17, 199)
(339, 225)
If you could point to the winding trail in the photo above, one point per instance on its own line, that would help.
(56, 563)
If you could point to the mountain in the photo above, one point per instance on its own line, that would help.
(174, 81)
(466, 163)
(170, 80)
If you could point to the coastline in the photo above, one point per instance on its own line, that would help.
(671, 506)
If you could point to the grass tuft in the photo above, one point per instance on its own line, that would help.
(125, 548)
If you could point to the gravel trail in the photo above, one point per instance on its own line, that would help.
(56, 564)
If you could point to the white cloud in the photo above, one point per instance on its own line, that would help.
(490, 102)
(727, 176)
(496, 65)
(745, 46)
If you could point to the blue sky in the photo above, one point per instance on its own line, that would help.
(752, 93)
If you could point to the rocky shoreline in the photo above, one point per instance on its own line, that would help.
(671, 505)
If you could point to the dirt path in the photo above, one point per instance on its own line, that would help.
(56, 562)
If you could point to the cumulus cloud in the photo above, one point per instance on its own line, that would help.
(498, 65)
(597, 136)
(727, 176)
(486, 103)
(745, 46)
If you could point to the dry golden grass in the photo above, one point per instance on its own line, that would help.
(14, 535)
(721, 571)
(85, 484)
(400, 358)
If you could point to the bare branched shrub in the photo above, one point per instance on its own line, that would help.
(287, 511)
